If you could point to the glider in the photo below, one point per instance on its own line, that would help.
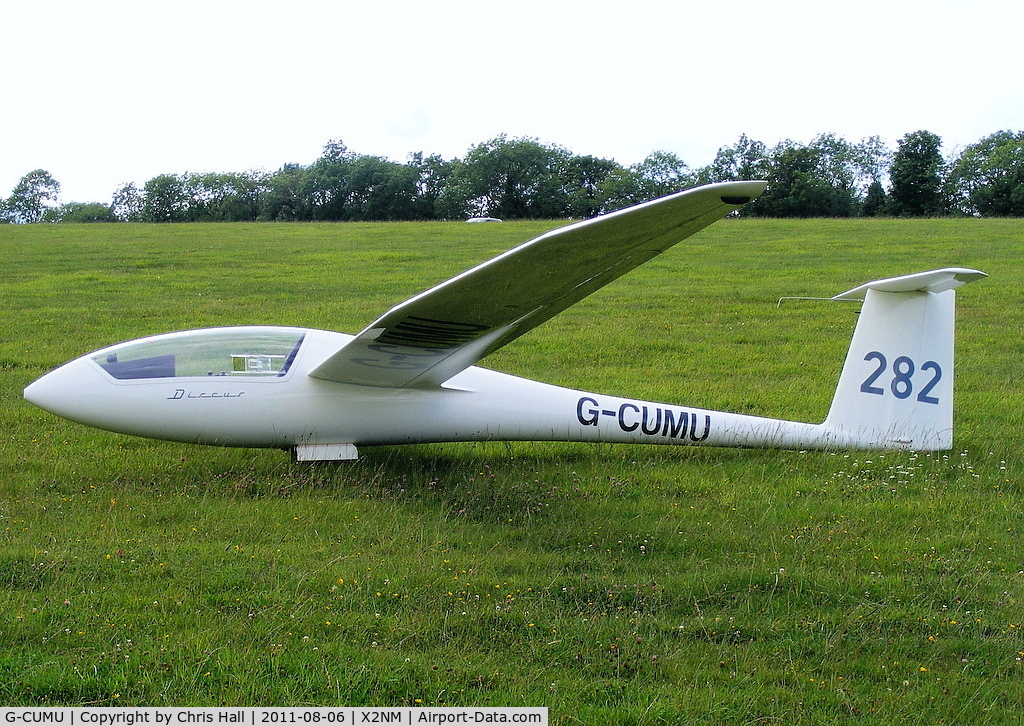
(410, 376)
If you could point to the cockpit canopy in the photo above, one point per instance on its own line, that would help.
(246, 351)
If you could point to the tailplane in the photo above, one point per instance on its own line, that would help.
(896, 387)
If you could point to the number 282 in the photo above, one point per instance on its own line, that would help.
(902, 371)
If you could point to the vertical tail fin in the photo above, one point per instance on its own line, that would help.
(896, 388)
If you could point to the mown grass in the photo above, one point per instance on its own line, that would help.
(614, 584)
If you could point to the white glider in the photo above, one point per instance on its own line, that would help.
(410, 377)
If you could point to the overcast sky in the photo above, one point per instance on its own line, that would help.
(106, 92)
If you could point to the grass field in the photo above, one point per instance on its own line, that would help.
(613, 584)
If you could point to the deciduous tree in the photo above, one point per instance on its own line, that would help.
(917, 176)
(747, 160)
(510, 179)
(661, 173)
(128, 203)
(988, 177)
(36, 191)
(582, 182)
(284, 199)
(808, 181)
(79, 213)
(164, 199)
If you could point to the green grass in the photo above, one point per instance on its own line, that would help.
(613, 584)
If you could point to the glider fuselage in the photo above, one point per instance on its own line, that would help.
(240, 404)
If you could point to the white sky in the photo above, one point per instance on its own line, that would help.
(104, 92)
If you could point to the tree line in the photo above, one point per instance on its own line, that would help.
(523, 178)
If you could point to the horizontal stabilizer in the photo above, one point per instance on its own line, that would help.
(948, 278)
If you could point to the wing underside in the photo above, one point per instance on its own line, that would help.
(429, 338)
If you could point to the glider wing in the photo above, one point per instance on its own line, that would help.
(429, 338)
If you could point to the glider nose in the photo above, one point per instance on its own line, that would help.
(63, 391)
(42, 392)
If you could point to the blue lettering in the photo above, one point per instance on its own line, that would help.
(651, 420)
(924, 396)
(646, 426)
(588, 417)
(672, 429)
(693, 427)
(622, 417)
(902, 384)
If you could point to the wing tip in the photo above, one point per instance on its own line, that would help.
(738, 193)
